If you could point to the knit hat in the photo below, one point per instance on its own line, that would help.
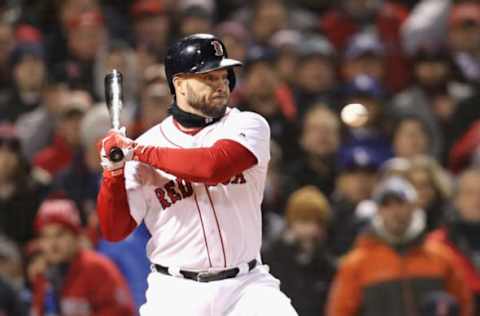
(395, 187)
(58, 211)
(308, 204)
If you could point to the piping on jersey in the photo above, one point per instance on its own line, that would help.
(203, 229)
(167, 139)
(218, 226)
(196, 203)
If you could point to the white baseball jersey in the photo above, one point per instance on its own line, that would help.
(197, 226)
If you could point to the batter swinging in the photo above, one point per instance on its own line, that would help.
(196, 180)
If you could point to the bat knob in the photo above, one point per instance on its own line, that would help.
(116, 154)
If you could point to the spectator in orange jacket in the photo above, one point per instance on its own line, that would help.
(390, 271)
(77, 282)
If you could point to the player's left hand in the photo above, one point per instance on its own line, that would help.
(114, 139)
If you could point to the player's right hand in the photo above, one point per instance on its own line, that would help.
(113, 139)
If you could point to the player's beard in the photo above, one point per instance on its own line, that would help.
(201, 104)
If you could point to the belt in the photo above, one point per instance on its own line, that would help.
(206, 276)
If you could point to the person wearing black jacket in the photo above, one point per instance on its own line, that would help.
(299, 257)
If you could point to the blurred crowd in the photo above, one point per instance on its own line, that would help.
(379, 215)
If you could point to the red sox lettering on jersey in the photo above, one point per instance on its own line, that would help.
(197, 225)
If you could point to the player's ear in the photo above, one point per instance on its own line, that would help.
(179, 83)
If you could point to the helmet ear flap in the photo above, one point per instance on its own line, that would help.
(231, 79)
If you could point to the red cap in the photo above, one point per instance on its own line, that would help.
(28, 33)
(89, 18)
(464, 12)
(147, 7)
(58, 211)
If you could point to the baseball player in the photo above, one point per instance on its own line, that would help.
(197, 181)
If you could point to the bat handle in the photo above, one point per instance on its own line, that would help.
(115, 154)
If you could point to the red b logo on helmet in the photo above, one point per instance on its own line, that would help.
(218, 48)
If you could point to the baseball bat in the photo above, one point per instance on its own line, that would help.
(114, 101)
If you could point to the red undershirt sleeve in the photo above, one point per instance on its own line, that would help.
(116, 222)
(215, 164)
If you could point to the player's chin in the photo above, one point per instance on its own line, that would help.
(216, 109)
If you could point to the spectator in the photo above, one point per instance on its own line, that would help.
(263, 92)
(36, 128)
(287, 44)
(426, 25)
(86, 38)
(155, 100)
(464, 40)
(71, 281)
(460, 235)
(7, 41)
(81, 179)
(269, 16)
(21, 189)
(315, 77)
(300, 257)
(151, 26)
(357, 172)
(66, 140)
(195, 19)
(57, 16)
(373, 134)
(411, 137)
(235, 37)
(319, 140)
(364, 55)
(29, 76)
(350, 17)
(390, 271)
(434, 189)
(433, 97)
(120, 56)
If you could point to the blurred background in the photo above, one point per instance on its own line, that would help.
(371, 209)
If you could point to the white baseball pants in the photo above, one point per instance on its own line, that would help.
(256, 293)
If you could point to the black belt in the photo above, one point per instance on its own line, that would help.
(208, 276)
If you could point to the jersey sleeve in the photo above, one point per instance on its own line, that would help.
(251, 131)
(135, 190)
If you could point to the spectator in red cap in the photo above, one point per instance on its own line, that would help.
(76, 280)
(86, 37)
(56, 34)
(151, 26)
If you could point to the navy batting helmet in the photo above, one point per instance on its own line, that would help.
(198, 53)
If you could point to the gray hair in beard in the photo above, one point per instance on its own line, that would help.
(201, 104)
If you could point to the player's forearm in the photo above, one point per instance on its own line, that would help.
(113, 210)
(215, 164)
